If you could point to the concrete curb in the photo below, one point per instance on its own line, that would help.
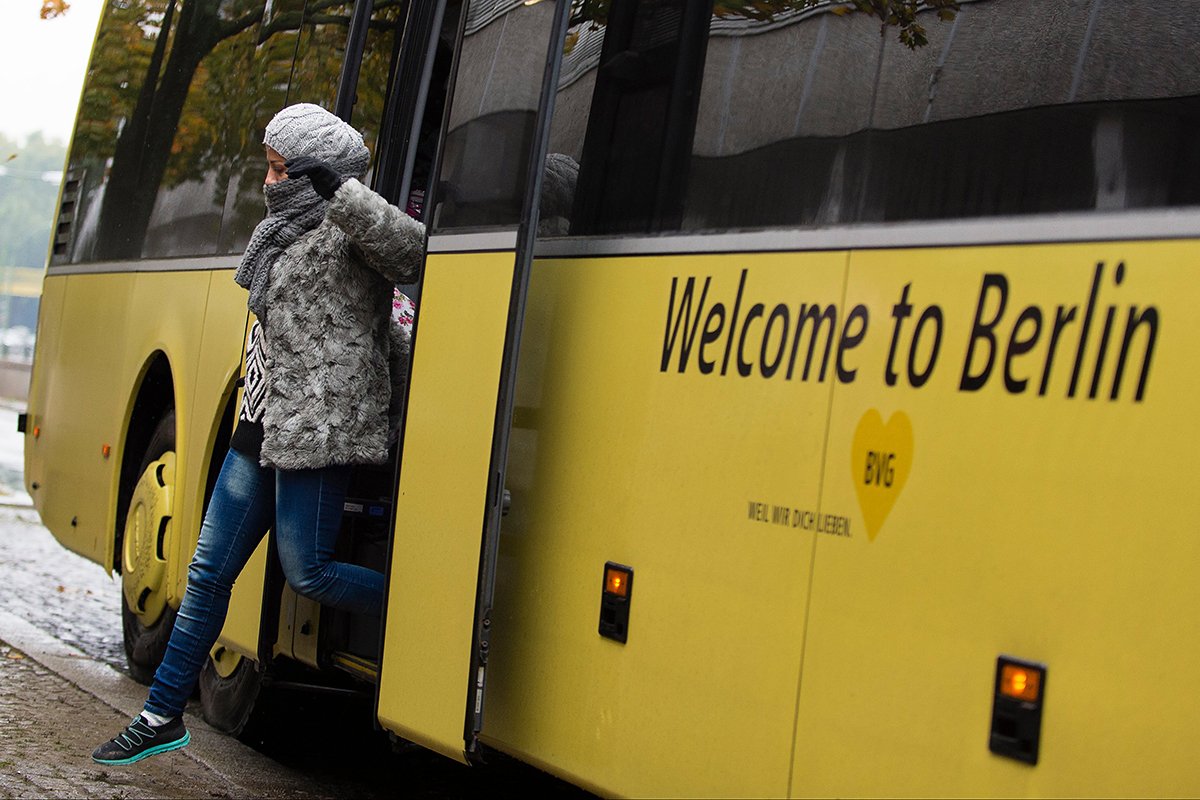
(246, 772)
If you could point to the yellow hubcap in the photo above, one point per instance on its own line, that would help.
(148, 529)
(225, 661)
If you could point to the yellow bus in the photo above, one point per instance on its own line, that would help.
(798, 397)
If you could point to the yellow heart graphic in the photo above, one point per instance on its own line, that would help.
(880, 460)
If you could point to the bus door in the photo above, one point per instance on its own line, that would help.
(481, 218)
(369, 66)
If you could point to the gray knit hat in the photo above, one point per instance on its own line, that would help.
(305, 129)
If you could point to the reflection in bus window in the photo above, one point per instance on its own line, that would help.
(169, 136)
(165, 123)
(486, 152)
(685, 121)
(270, 71)
(167, 101)
(210, 74)
(136, 88)
(319, 54)
(383, 40)
(322, 48)
(317, 39)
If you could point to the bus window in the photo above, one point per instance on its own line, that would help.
(298, 60)
(135, 92)
(375, 72)
(403, 167)
(626, 110)
(805, 117)
(486, 151)
(158, 126)
(205, 77)
(274, 50)
(322, 48)
(319, 55)
(114, 86)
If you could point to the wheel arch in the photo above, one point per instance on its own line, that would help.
(154, 424)
(154, 398)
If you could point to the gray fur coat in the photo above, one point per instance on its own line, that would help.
(330, 337)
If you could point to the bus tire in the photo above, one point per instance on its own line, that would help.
(146, 618)
(229, 687)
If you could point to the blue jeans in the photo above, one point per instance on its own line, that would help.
(305, 507)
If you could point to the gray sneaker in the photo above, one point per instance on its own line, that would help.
(141, 740)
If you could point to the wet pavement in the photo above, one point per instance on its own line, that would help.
(56, 590)
(64, 689)
(58, 704)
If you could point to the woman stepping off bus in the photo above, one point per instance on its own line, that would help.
(321, 270)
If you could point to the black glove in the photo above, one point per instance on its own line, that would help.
(325, 179)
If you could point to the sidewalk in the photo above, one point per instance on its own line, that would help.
(57, 705)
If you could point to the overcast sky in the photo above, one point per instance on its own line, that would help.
(42, 63)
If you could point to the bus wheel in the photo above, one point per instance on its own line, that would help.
(229, 686)
(146, 617)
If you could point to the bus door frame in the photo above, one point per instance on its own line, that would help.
(406, 104)
(269, 586)
(523, 239)
(403, 116)
(497, 503)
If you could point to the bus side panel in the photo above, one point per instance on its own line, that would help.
(217, 363)
(77, 482)
(167, 313)
(440, 507)
(50, 310)
(706, 484)
(1006, 521)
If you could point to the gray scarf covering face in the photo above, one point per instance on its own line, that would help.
(293, 209)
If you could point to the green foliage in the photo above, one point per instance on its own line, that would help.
(27, 199)
(900, 14)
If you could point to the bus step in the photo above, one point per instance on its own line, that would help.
(359, 667)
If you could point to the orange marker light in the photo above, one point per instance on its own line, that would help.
(616, 581)
(37, 431)
(615, 596)
(105, 450)
(1020, 683)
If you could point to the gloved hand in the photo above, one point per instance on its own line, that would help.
(325, 179)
